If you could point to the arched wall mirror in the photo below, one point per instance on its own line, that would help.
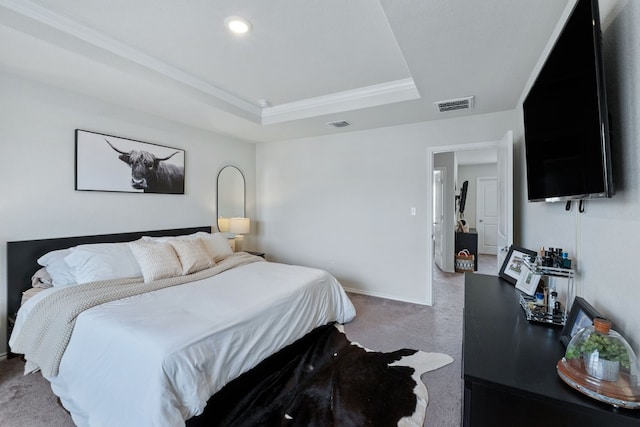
(230, 199)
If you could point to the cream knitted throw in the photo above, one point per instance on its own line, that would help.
(47, 329)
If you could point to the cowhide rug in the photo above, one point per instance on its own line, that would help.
(323, 379)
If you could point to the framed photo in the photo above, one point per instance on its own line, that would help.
(513, 264)
(112, 163)
(581, 316)
(528, 281)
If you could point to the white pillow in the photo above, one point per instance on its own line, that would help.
(61, 273)
(103, 261)
(157, 260)
(192, 254)
(217, 244)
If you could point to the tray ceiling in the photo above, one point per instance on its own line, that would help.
(371, 63)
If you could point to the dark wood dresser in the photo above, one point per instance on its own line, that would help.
(509, 367)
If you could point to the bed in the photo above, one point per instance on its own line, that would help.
(155, 358)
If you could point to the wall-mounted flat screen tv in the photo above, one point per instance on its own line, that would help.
(566, 125)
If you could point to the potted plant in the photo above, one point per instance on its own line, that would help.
(603, 351)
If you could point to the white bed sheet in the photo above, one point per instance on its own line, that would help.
(155, 359)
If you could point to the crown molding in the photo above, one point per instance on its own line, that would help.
(68, 26)
(369, 96)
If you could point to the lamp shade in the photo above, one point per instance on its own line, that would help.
(223, 224)
(239, 225)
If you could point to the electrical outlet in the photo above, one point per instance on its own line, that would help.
(413, 211)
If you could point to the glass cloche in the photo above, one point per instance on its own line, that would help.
(600, 363)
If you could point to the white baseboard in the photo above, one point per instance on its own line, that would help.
(386, 296)
(3, 356)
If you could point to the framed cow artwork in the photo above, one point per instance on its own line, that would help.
(112, 163)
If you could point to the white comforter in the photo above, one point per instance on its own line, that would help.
(155, 359)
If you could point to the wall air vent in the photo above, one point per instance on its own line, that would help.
(454, 104)
(339, 124)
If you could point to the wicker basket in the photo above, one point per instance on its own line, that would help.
(465, 261)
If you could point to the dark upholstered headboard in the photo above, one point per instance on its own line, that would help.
(22, 257)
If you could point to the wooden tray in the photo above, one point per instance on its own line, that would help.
(622, 393)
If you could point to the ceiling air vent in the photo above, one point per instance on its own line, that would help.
(339, 124)
(454, 104)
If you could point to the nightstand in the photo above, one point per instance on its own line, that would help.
(12, 322)
(260, 254)
(10, 325)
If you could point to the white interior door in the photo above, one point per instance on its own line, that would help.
(505, 196)
(487, 214)
(438, 214)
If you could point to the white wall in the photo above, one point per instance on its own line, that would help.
(604, 239)
(37, 170)
(342, 202)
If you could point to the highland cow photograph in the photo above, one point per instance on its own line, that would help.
(111, 163)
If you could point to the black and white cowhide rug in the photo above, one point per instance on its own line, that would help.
(323, 379)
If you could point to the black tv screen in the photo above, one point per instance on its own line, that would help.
(566, 125)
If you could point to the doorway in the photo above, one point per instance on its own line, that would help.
(504, 189)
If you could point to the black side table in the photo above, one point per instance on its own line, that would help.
(260, 254)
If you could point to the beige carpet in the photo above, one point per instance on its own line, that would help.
(385, 325)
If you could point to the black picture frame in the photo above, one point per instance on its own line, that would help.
(581, 315)
(115, 164)
(512, 265)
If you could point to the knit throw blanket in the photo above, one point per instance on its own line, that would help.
(47, 329)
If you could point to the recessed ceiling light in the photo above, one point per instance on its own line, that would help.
(238, 24)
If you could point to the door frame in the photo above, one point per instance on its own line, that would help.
(443, 172)
(431, 151)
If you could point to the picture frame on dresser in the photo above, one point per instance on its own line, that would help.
(528, 281)
(581, 316)
(512, 267)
